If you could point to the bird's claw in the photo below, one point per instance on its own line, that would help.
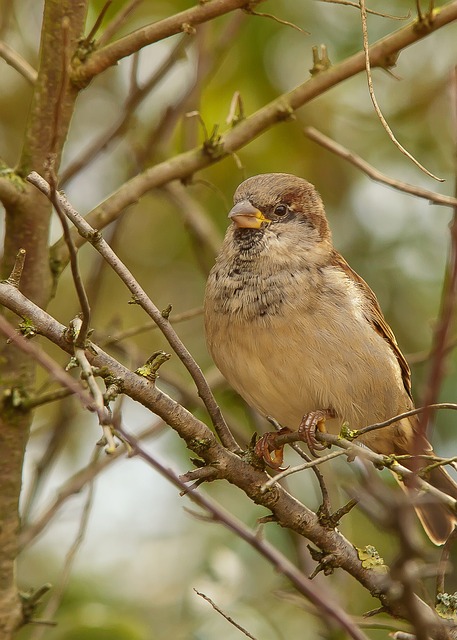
(269, 451)
(312, 422)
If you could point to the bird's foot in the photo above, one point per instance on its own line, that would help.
(268, 449)
(312, 422)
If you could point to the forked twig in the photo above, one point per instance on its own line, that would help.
(141, 298)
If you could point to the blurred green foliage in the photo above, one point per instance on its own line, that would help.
(140, 585)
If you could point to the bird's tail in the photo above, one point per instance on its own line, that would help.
(436, 517)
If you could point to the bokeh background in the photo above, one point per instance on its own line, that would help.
(144, 553)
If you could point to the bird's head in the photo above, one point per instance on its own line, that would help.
(280, 207)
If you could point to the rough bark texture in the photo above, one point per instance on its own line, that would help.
(27, 226)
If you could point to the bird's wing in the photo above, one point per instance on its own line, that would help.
(375, 317)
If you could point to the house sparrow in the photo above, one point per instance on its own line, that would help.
(296, 332)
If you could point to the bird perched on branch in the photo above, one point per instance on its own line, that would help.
(298, 333)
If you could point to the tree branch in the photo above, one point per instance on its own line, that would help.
(182, 166)
(146, 303)
(371, 172)
(183, 22)
(12, 57)
(287, 510)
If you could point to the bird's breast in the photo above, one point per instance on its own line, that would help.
(292, 342)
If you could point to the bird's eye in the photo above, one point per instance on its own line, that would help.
(281, 210)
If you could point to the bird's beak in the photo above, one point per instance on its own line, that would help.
(246, 216)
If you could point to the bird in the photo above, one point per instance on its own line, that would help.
(301, 336)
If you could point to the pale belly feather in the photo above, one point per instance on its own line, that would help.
(289, 364)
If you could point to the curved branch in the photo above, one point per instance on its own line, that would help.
(180, 167)
(146, 303)
(15, 60)
(374, 174)
(287, 510)
(183, 22)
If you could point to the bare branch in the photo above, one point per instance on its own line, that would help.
(391, 463)
(287, 511)
(448, 305)
(88, 375)
(390, 133)
(186, 164)
(15, 60)
(183, 22)
(77, 280)
(369, 170)
(144, 301)
(224, 615)
(356, 5)
(317, 595)
(413, 412)
(46, 362)
(300, 467)
(286, 23)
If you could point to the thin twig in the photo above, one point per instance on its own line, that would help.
(286, 23)
(117, 22)
(15, 60)
(56, 598)
(301, 467)
(146, 303)
(151, 326)
(366, 48)
(369, 170)
(224, 615)
(321, 598)
(87, 374)
(391, 463)
(76, 274)
(47, 363)
(448, 305)
(135, 97)
(406, 414)
(356, 5)
(443, 565)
